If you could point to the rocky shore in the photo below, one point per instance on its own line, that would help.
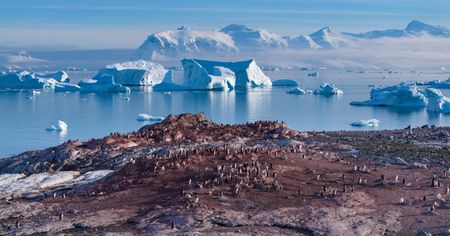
(189, 176)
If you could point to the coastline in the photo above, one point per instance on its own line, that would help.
(188, 175)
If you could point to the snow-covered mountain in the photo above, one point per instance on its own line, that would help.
(184, 41)
(245, 37)
(326, 38)
(413, 29)
(302, 42)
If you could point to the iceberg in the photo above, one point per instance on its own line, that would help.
(66, 87)
(369, 123)
(403, 95)
(25, 80)
(60, 127)
(147, 117)
(298, 91)
(202, 74)
(440, 84)
(328, 89)
(285, 83)
(437, 102)
(102, 84)
(60, 76)
(167, 84)
(135, 73)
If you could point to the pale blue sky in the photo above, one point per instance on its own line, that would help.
(126, 23)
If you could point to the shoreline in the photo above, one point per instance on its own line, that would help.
(188, 175)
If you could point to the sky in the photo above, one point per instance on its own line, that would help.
(88, 24)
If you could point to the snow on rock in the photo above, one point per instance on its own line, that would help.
(302, 42)
(284, 83)
(147, 117)
(167, 84)
(19, 185)
(135, 73)
(245, 37)
(202, 74)
(60, 76)
(402, 95)
(328, 89)
(369, 123)
(102, 84)
(298, 91)
(437, 102)
(60, 127)
(326, 38)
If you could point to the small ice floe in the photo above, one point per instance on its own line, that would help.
(60, 127)
(35, 92)
(147, 117)
(328, 89)
(298, 91)
(126, 98)
(366, 123)
(29, 97)
(314, 74)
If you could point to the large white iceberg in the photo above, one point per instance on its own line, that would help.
(369, 123)
(167, 84)
(298, 91)
(437, 102)
(102, 84)
(328, 89)
(135, 73)
(202, 74)
(402, 95)
(284, 83)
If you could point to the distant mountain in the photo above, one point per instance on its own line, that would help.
(326, 38)
(235, 38)
(245, 37)
(302, 42)
(184, 41)
(413, 29)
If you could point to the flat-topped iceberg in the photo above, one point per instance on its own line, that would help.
(135, 73)
(298, 91)
(402, 95)
(368, 123)
(437, 102)
(209, 75)
(167, 84)
(328, 89)
(285, 83)
(102, 84)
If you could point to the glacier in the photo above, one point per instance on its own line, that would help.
(102, 84)
(328, 89)
(203, 74)
(135, 73)
(284, 83)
